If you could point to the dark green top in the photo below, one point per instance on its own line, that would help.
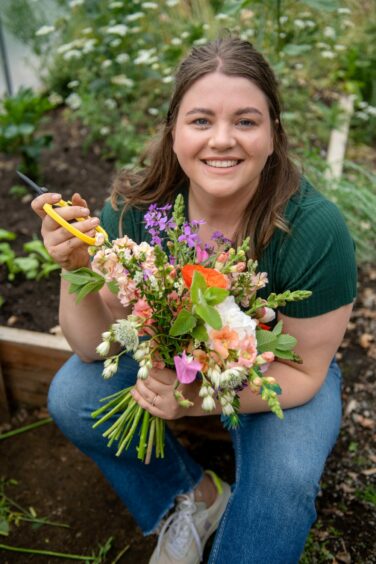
(317, 255)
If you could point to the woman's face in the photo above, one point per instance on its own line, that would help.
(223, 136)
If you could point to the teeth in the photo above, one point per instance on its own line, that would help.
(221, 164)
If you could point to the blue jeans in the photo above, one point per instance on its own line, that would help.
(278, 465)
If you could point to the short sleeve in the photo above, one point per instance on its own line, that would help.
(317, 255)
(131, 222)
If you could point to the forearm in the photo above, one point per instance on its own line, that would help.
(83, 323)
(297, 389)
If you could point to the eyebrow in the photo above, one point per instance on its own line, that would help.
(241, 111)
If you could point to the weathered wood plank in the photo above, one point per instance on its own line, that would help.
(29, 360)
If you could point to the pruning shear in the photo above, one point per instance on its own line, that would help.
(49, 209)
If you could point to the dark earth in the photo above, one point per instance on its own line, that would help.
(61, 484)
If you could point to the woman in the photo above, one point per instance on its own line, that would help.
(224, 147)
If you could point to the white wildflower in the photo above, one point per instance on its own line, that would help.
(110, 103)
(72, 54)
(119, 29)
(55, 99)
(73, 84)
(201, 41)
(221, 16)
(339, 47)
(110, 367)
(185, 34)
(269, 315)
(372, 111)
(208, 404)
(74, 3)
(45, 30)
(88, 45)
(126, 334)
(87, 30)
(134, 17)
(115, 42)
(149, 5)
(283, 19)
(343, 11)
(73, 101)
(227, 409)
(172, 3)
(105, 130)
(103, 348)
(153, 111)
(146, 57)
(362, 115)
(300, 24)
(167, 79)
(329, 32)
(176, 41)
(122, 80)
(328, 54)
(106, 63)
(143, 372)
(122, 58)
(114, 5)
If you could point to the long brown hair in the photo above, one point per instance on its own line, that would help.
(162, 175)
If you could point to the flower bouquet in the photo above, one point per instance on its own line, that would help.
(193, 308)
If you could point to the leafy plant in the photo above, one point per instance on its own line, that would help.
(36, 265)
(20, 119)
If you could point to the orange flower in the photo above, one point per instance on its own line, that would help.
(223, 340)
(213, 278)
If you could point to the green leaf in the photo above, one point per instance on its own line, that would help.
(113, 286)
(7, 235)
(198, 287)
(209, 315)
(214, 296)
(286, 342)
(89, 288)
(266, 340)
(183, 324)
(81, 276)
(200, 333)
(277, 330)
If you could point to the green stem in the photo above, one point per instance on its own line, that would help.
(46, 552)
(144, 432)
(127, 440)
(114, 410)
(150, 442)
(118, 424)
(25, 428)
(123, 551)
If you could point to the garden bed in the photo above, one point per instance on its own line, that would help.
(59, 482)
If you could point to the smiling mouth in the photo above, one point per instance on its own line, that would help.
(222, 164)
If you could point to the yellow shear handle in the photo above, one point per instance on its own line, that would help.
(73, 230)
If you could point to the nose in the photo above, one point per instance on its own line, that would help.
(221, 137)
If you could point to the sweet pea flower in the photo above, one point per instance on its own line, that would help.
(186, 368)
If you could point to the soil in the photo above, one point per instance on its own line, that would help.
(60, 483)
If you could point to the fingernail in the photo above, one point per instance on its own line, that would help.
(56, 197)
(84, 211)
(94, 221)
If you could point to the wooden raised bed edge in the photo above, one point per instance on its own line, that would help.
(28, 362)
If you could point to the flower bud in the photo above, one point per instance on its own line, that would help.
(103, 348)
(268, 315)
(208, 404)
(143, 373)
(109, 370)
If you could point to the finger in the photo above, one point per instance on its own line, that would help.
(48, 198)
(77, 200)
(61, 235)
(69, 213)
(163, 375)
(148, 391)
(142, 402)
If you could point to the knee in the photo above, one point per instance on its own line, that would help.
(69, 395)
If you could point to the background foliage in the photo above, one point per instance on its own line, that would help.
(112, 64)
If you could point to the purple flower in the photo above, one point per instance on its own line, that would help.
(186, 368)
(188, 236)
(157, 220)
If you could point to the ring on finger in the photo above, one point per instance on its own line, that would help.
(154, 400)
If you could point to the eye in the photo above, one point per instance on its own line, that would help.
(201, 122)
(246, 123)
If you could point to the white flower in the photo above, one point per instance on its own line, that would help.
(269, 315)
(106, 63)
(283, 19)
(110, 367)
(134, 17)
(55, 99)
(176, 41)
(339, 47)
(73, 84)
(115, 42)
(362, 115)
(146, 56)
(149, 5)
(172, 3)
(227, 409)
(343, 11)
(114, 5)
(73, 101)
(105, 130)
(119, 29)
(153, 111)
(328, 54)
(208, 404)
(221, 16)
(329, 32)
(45, 30)
(167, 79)
(103, 348)
(143, 372)
(371, 110)
(125, 334)
(233, 317)
(122, 58)
(122, 80)
(300, 24)
(72, 54)
(74, 3)
(110, 103)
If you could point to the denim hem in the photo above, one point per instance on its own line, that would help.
(154, 530)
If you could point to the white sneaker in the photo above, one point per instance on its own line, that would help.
(184, 533)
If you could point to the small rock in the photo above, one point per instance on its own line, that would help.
(12, 320)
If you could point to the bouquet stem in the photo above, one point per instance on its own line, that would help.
(130, 414)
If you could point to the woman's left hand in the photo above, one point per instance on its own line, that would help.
(156, 394)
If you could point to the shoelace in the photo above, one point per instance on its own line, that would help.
(178, 527)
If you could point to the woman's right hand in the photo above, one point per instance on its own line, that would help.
(67, 250)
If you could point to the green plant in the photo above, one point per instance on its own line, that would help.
(18, 191)
(20, 119)
(36, 265)
(367, 494)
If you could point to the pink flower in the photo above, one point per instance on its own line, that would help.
(142, 309)
(186, 368)
(201, 254)
(223, 340)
